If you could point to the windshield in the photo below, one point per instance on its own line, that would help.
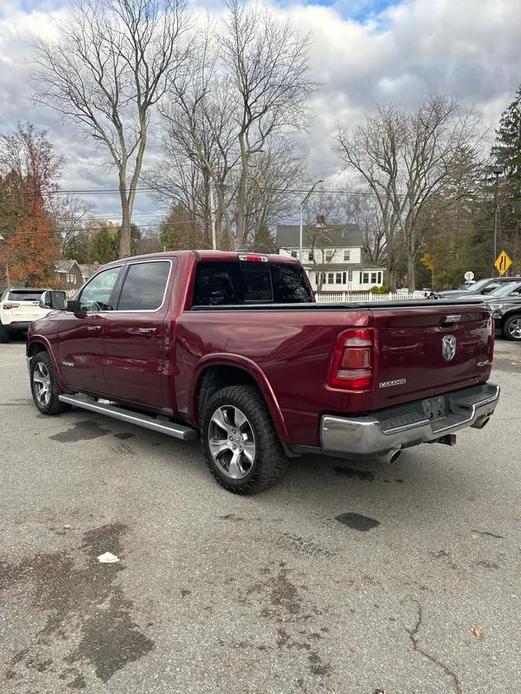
(25, 295)
(476, 286)
(505, 289)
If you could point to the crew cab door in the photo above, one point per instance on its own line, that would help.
(136, 335)
(80, 348)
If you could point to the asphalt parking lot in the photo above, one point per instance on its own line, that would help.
(282, 592)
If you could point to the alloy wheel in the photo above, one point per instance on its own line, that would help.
(42, 384)
(231, 441)
(514, 328)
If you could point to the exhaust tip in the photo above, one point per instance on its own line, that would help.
(393, 458)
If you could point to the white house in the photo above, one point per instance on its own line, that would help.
(332, 256)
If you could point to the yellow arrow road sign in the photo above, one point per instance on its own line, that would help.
(503, 262)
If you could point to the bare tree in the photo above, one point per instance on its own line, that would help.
(108, 71)
(266, 64)
(70, 214)
(405, 158)
(373, 150)
(201, 139)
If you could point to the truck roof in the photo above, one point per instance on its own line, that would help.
(209, 255)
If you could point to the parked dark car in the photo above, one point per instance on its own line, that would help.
(482, 287)
(505, 303)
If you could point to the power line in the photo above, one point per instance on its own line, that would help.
(105, 191)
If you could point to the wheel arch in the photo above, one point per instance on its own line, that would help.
(219, 371)
(41, 344)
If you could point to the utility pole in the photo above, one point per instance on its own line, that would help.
(212, 215)
(497, 171)
(304, 201)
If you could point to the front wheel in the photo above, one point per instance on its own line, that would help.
(44, 385)
(240, 444)
(512, 328)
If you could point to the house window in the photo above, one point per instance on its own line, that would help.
(347, 256)
(344, 278)
(364, 278)
(330, 277)
(329, 255)
(311, 256)
(376, 277)
(338, 278)
(293, 254)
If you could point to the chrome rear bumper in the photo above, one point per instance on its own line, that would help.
(407, 425)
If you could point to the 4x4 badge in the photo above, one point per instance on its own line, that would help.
(448, 347)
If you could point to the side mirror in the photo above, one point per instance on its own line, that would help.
(74, 306)
(54, 299)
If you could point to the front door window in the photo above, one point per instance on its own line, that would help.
(97, 294)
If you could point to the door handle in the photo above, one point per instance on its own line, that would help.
(93, 328)
(147, 331)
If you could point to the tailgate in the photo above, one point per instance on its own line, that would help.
(26, 312)
(425, 351)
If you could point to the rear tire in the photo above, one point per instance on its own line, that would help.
(240, 444)
(512, 328)
(4, 335)
(45, 388)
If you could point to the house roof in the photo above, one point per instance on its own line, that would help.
(88, 269)
(328, 236)
(64, 265)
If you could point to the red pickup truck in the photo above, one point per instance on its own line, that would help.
(232, 348)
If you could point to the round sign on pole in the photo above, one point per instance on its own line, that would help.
(469, 275)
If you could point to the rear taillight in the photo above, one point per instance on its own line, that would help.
(353, 360)
(9, 304)
(491, 340)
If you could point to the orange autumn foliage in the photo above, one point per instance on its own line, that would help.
(32, 249)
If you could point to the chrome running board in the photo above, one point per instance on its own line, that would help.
(178, 431)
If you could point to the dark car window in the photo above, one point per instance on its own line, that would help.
(221, 284)
(490, 287)
(21, 295)
(144, 286)
(96, 295)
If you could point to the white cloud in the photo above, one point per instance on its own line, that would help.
(465, 48)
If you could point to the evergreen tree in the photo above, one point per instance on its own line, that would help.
(264, 242)
(507, 154)
(180, 232)
(507, 150)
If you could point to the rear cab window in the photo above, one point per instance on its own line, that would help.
(245, 282)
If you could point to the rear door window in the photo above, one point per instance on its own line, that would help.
(144, 286)
(222, 284)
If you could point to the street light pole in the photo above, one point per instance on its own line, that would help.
(497, 171)
(304, 201)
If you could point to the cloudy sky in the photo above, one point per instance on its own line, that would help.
(363, 51)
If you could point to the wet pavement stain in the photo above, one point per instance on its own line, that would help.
(363, 475)
(81, 431)
(123, 435)
(82, 594)
(356, 521)
(292, 614)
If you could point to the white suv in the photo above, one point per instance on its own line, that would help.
(18, 309)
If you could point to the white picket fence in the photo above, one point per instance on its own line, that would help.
(400, 295)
